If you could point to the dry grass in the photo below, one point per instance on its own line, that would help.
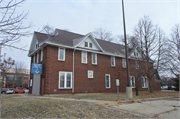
(122, 95)
(48, 108)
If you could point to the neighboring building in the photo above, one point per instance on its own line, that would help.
(74, 63)
(11, 77)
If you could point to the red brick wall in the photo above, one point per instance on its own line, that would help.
(51, 68)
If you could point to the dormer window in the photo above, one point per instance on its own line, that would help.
(86, 44)
(37, 45)
(134, 53)
(90, 45)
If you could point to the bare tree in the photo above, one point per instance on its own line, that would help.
(151, 39)
(172, 54)
(5, 65)
(131, 40)
(48, 30)
(103, 34)
(11, 23)
(19, 67)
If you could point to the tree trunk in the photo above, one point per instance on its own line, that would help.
(150, 86)
(137, 90)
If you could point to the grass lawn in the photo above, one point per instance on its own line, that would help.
(49, 108)
(122, 95)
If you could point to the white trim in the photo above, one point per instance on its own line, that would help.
(112, 57)
(109, 80)
(91, 72)
(95, 58)
(82, 57)
(64, 51)
(41, 55)
(123, 63)
(143, 78)
(65, 80)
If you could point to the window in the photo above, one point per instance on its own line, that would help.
(25, 78)
(134, 53)
(90, 74)
(37, 45)
(132, 81)
(41, 55)
(112, 61)
(61, 54)
(17, 77)
(137, 64)
(84, 57)
(108, 81)
(9, 77)
(37, 61)
(31, 82)
(86, 44)
(34, 59)
(137, 54)
(90, 45)
(65, 80)
(144, 82)
(94, 58)
(124, 63)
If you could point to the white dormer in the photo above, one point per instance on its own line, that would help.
(136, 54)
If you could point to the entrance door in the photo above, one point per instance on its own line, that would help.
(36, 84)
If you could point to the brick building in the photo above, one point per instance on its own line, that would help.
(11, 77)
(74, 63)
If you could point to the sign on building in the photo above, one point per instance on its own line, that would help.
(36, 68)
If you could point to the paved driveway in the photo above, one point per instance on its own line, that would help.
(164, 108)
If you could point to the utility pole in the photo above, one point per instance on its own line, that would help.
(128, 87)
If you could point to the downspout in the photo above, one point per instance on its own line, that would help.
(73, 73)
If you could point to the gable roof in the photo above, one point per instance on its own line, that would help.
(70, 39)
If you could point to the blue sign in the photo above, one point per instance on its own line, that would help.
(36, 68)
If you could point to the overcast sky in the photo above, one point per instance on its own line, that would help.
(84, 16)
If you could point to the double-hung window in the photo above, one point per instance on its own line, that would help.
(137, 64)
(94, 58)
(124, 63)
(113, 61)
(90, 74)
(108, 80)
(61, 54)
(37, 60)
(144, 82)
(65, 80)
(41, 54)
(84, 57)
(132, 81)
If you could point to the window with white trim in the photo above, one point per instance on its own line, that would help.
(65, 80)
(90, 45)
(41, 54)
(144, 82)
(132, 81)
(124, 63)
(61, 54)
(84, 57)
(85, 44)
(34, 59)
(37, 60)
(137, 64)
(94, 58)
(113, 61)
(108, 80)
(90, 74)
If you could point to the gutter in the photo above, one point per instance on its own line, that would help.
(73, 73)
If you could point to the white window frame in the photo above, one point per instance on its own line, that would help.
(109, 80)
(42, 55)
(143, 83)
(65, 80)
(90, 71)
(64, 51)
(34, 58)
(130, 78)
(114, 61)
(37, 59)
(123, 63)
(82, 57)
(89, 45)
(137, 64)
(95, 58)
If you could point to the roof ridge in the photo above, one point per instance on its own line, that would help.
(70, 32)
(40, 33)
